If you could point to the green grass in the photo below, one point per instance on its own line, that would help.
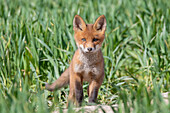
(37, 45)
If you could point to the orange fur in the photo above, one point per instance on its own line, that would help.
(87, 63)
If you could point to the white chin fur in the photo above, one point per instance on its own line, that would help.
(86, 51)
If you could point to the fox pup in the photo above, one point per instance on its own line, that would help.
(87, 63)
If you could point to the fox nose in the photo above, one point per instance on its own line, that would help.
(89, 49)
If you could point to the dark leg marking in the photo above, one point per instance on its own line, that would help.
(88, 90)
(79, 92)
(93, 95)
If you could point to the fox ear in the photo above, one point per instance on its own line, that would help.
(100, 24)
(78, 23)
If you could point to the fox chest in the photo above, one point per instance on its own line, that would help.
(88, 71)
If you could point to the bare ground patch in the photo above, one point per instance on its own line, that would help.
(103, 108)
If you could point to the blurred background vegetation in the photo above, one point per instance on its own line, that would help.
(37, 45)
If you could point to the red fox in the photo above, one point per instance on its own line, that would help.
(87, 63)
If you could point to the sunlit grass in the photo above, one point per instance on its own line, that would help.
(37, 45)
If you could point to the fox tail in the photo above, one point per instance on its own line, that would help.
(62, 81)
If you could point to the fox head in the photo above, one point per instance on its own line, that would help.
(89, 37)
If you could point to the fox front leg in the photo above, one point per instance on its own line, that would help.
(93, 90)
(79, 93)
(76, 90)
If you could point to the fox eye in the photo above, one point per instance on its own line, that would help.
(95, 39)
(83, 39)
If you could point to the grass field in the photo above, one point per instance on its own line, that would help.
(37, 45)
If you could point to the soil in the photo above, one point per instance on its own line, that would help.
(104, 108)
